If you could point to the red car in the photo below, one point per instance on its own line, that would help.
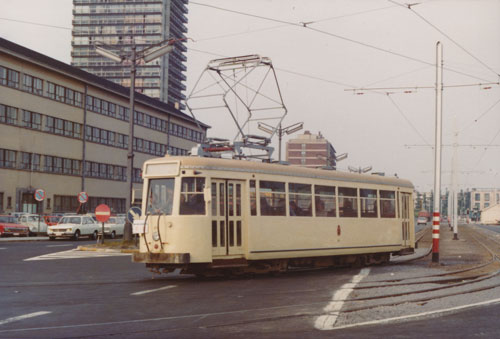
(8, 227)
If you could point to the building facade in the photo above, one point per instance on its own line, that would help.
(121, 23)
(483, 198)
(311, 150)
(66, 131)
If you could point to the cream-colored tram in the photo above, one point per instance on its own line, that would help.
(220, 215)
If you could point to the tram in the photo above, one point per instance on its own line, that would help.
(204, 215)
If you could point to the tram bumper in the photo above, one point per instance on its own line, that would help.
(162, 258)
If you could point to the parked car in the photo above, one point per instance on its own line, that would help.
(34, 223)
(10, 227)
(422, 221)
(74, 226)
(114, 227)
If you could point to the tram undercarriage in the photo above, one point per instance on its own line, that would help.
(228, 267)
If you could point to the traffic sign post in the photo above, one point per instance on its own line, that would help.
(102, 214)
(39, 196)
(83, 197)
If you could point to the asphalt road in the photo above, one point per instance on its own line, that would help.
(66, 294)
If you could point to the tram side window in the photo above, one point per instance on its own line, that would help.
(160, 196)
(368, 203)
(300, 200)
(325, 201)
(348, 202)
(192, 197)
(387, 204)
(253, 198)
(272, 198)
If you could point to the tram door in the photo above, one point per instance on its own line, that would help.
(227, 220)
(405, 216)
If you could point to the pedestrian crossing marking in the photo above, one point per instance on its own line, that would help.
(76, 254)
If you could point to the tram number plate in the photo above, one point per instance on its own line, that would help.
(138, 227)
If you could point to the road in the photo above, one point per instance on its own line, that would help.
(48, 290)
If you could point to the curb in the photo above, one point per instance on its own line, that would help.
(107, 250)
(411, 257)
(24, 239)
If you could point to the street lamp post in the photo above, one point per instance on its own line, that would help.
(152, 52)
(281, 132)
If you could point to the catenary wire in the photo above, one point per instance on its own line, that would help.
(447, 36)
(35, 23)
(305, 25)
(407, 120)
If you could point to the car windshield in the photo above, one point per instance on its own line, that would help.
(7, 219)
(111, 221)
(71, 220)
(33, 218)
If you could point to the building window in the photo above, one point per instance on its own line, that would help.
(7, 158)
(30, 161)
(486, 197)
(477, 196)
(32, 120)
(51, 90)
(12, 78)
(3, 76)
(8, 115)
(70, 96)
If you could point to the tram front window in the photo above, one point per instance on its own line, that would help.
(160, 196)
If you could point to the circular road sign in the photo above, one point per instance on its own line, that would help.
(40, 194)
(133, 213)
(83, 197)
(102, 213)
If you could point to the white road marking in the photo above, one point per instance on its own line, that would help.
(67, 245)
(3, 248)
(76, 254)
(418, 315)
(21, 317)
(155, 290)
(327, 321)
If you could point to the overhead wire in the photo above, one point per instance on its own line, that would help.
(350, 14)
(307, 26)
(481, 115)
(407, 120)
(447, 36)
(36, 23)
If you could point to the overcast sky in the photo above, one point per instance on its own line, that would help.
(347, 44)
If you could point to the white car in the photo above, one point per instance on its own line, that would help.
(422, 221)
(32, 221)
(114, 227)
(74, 226)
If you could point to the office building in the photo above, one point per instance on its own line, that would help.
(311, 150)
(66, 131)
(119, 24)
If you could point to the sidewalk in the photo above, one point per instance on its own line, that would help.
(14, 239)
(457, 253)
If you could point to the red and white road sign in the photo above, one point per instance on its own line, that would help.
(102, 213)
(40, 194)
(83, 197)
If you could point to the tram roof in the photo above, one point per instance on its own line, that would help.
(191, 162)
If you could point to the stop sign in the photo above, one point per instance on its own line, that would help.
(102, 213)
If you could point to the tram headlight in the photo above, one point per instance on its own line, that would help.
(156, 236)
